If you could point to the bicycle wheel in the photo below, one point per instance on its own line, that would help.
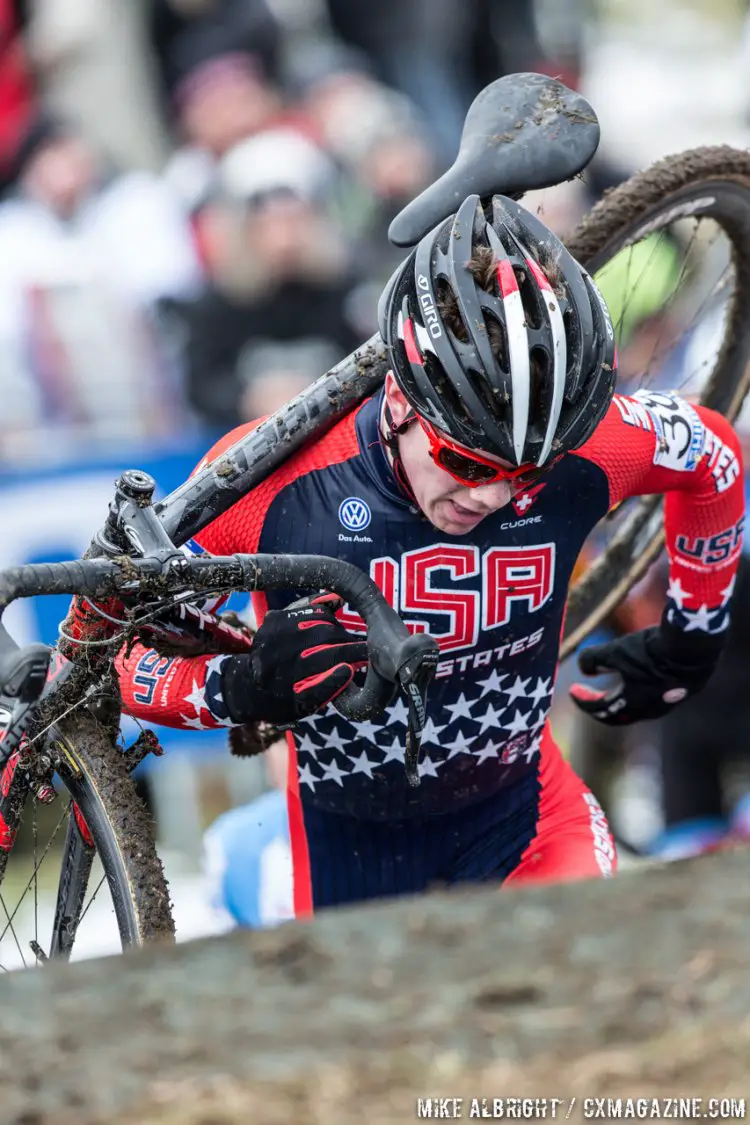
(54, 862)
(677, 234)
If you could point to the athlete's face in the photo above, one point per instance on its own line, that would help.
(452, 508)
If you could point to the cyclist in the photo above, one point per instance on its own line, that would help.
(466, 487)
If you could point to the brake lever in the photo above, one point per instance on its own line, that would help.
(414, 677)
(20, 690)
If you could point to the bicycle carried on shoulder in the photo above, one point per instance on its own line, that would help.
(680, 230)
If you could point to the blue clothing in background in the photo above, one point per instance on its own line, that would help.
(249, 863)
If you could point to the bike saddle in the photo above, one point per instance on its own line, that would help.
(522, 132)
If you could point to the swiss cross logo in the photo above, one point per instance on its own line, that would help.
(512, 578)
(525, 499)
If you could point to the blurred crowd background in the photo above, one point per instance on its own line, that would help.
(195, 199)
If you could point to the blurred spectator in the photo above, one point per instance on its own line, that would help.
(17, 97)
(421, 48)
(281, 273)
(377, 139)
(220, 102)
(248, 857)
(94, 66)
(441, 54)
(274, 372)
(84, 257)
(186, 33)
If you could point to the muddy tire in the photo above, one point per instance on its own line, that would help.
(713, 182)
(94, 773)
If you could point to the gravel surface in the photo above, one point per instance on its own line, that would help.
(633, 987)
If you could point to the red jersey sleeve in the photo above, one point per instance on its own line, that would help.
(176, 691)
(656, 442)
(185, 691)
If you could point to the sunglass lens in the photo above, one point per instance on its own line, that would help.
(465, 467)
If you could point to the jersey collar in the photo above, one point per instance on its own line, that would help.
(374, 456)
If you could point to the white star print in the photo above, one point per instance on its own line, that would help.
(460, 745)
(518, 724)
(195, 723)
(489, 751)
(541, 720)
(332, 772)
(394, 752)
(676, 592)
(312, 719)
(398, 713)
(333, 741)
(307, 777)
(727, 592)
(367, 729)
(306, 743)
(431, 732)
(461, 709)
(699, 619)
(532, 749)
(197, 698)
(223, 722)
(489, 719)
(492, 683)
(518, 689)
(429, 768)
(215, 664)
(362, 764)
(542, 688)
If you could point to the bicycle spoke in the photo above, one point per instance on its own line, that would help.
(93, 896)
(10, 918)
(34, 872)
(708, 294)
(663, 357)
(649, 379)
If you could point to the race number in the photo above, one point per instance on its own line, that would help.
(680, 434)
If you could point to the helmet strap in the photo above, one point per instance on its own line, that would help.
(389, 434)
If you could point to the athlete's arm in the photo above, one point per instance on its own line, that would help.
(300, 659)
(657, 443)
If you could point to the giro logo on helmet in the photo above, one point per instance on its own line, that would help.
(428, 308)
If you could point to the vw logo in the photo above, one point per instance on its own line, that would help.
(354, 514)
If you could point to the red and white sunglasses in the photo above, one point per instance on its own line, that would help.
(474, 469)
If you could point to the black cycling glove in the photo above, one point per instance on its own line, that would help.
(301, 658)
(658, 668)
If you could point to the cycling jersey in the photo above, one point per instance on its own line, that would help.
(494, 599)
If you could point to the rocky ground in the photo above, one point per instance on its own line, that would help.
(636, 987)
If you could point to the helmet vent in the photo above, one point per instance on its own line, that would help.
(530, 298)
(447, 306)
(540, 378)
(498, 338)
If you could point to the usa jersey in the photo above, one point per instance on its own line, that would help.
(494, 598)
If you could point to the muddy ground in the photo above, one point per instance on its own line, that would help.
(636, 987)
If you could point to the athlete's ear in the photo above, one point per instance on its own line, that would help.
(396, 399)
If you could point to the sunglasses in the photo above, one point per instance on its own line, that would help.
(472, 469)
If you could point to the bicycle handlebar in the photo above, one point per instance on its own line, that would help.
(396, 657)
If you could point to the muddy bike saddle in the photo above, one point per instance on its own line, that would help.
(522, 132)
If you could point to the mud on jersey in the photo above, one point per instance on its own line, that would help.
(494, 598)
